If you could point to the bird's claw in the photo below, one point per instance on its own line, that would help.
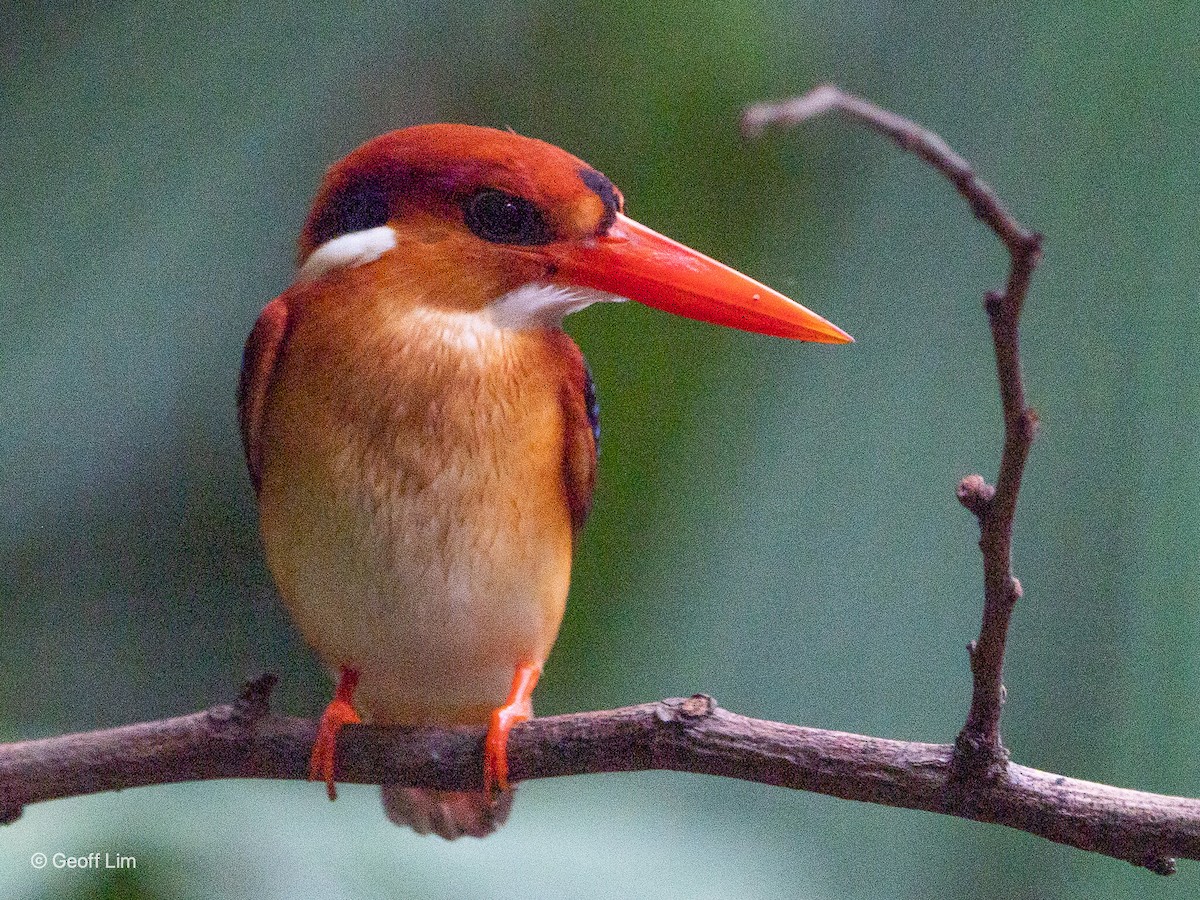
(518, 708)
(495, 747)
(339, 713)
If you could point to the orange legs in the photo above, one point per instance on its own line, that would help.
(518, 708)
(339, 712)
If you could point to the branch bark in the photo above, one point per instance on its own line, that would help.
(243, 740)
(979, 751)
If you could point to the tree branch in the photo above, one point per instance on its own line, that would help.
(243, 740)
(979, 751)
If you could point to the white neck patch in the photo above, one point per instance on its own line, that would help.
(540, 304)
(347, 251)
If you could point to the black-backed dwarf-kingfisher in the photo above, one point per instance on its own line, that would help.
(421, 433)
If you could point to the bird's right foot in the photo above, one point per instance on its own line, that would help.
(338, 713)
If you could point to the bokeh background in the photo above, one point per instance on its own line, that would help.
(775, 523)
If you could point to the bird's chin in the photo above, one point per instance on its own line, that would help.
(540, 304)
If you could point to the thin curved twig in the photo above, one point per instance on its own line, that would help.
(979, 751)
(243, 740)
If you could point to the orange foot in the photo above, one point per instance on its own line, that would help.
(518, 708)
(339, 712)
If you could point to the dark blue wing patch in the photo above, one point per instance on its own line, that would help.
(592, 403)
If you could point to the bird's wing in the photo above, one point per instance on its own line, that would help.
(258, 364)
(581, 438)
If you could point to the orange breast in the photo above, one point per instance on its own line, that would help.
(413, 504)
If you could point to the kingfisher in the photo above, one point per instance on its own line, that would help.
(421, 434)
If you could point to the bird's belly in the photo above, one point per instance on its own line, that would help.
(434, 569)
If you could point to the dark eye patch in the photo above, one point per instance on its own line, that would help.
(359, 205)
(504, 218)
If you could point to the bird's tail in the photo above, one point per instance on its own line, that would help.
(450, 814)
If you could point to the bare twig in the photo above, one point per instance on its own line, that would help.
(242, 740)
(979, 749)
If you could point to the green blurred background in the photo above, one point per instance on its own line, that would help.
(775, 523)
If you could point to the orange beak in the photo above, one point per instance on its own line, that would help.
(634, 261)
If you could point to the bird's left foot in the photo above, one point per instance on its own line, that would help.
(518, 708)
(338, 713)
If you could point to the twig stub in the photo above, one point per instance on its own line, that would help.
(975, 494)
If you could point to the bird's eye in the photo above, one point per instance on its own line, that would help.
(505, 219)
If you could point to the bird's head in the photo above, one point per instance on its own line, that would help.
(490, 220)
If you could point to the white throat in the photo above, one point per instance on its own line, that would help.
(540, 304)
